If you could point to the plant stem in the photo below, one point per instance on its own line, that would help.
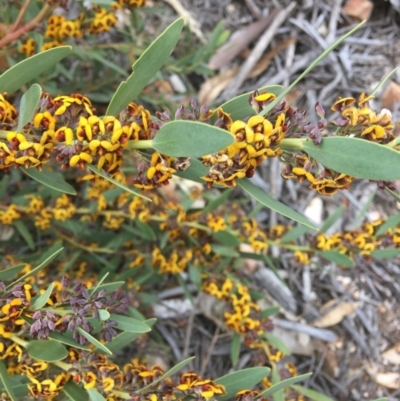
(292, 143)
(12, 36)
(21, 14)
(144, 144)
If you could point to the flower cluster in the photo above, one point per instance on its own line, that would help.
(91, 21)
(242, 314)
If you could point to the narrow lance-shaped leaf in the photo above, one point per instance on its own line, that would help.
(239, 107)
(10, 273)
(37, 269)
(356, 157)
(94, 395)
(52, 180)
(115, 182)
(391, 222)
(179, 366)
(311, 394)
(28, 69)
(127, 323)
(235, 348)
(144, 69)
(28, 105)
(272, 203)
(25, 233)
(43, 298)
(75, 392)
(94, 341)
(190, 139)
(5, 379)
(284, 383)
(336, 257)
(309, 68)
(246, 378)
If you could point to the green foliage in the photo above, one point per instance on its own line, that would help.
(30, 68)
(347, 155)
(152, 59)
(246, 378)
(44, 350)
(190, 139)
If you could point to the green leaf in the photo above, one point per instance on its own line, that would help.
(272, 203)
(275, 379)
(393, 194)
(146, 230)
(195, 275)
(239, 107)
(387, 253)
(24, 232)
(4, 185)
(284, 383)
(194, 172)
(294, 233)
(36, 269)
(225, 251)
(42, 299)
(190, 139)
(94, 395)
(144, 69)
(5, 379)
(179, 366)
(312, 394)
(381, 399)
(226, 238)
(245, 378)
(95, 342)
(383, 81)
(46, 350)
(361, 214)
(96, 287)
(115, 182)
(336, 257)
(235, 348)
(122, 340)
(10, 273)
(129, 324)
(391, 222)
(331, 220)
(211, 206)
(28, 105)
(52, 180)
(309, 68)
(269, 312)
(28, 69)
(64, 339)
(75, 392)
(276, 342)
(348, 155)
(109, 287)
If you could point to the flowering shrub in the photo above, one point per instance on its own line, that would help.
(89, 229)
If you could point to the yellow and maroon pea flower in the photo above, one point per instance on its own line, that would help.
(10, 215)
(44, 121)
(51, 45)
(64, 209)
(76, 104)
(28, 48)
(48, 388)
(8, 112)
(342, 103)
(103, 21)
(131, 3)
